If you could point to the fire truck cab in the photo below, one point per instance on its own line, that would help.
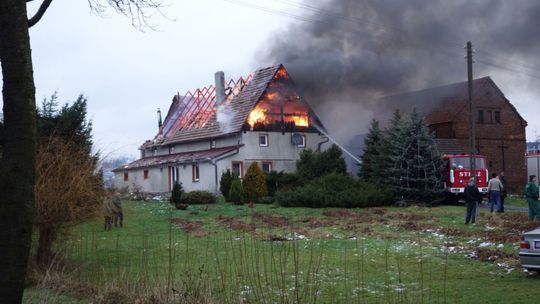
(458, 172)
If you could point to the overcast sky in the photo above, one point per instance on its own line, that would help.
(127, 74)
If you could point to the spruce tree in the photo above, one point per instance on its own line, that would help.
(177, 193)
(225, 183)
(388, 148)
(236, 193)
(417, 172)
(370, 168)
(254, 183)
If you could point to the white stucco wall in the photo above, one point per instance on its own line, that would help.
(281, 152)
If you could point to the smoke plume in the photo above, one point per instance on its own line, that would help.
(351, 52)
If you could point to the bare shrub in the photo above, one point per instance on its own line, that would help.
(68, 191)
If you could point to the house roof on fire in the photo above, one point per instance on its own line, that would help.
(440, 104)
(196, 116)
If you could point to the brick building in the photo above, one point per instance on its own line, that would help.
(500, 129)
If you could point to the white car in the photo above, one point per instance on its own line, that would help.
(529, 250)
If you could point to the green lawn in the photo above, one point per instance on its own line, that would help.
(234, 254)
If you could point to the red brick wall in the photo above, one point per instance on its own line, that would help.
(491, 136)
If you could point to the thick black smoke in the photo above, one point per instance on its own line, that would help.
(356, 51)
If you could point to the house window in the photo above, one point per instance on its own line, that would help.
(263, 140)
(481, 116)
(498, 117)
(195, 172)
(126, 176)
(142, 153)
(171, 149)
(238, 168)
(212, 144)
(145, 174)
(302, 143)
(266, 166)
(154, 152)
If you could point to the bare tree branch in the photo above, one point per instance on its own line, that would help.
(139, 11)
(39, 14)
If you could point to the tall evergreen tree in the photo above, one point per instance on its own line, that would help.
(370, 168)
(417, 171)
(388, 147)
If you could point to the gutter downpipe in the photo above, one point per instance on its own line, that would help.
(214, 161)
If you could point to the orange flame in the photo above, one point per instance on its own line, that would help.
(257, 115)
(281, 73)
(300, 120)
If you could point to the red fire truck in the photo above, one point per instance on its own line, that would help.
(458, 173)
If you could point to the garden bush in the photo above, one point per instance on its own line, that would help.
(177, 193)
(281, 181)
(254, 183)
(236, 193)
(225, 183)
(335, 190)
(198, 198)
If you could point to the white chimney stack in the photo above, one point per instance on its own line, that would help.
(220, 87)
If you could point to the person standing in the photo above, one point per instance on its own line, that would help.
(531, 193)
(502, 178)
(494, 189)
(108, 212)
(472, 198)
(118, 213)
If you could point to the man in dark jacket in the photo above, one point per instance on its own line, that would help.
(472, 198)
(502, 178)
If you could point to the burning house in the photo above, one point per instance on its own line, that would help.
(226, 126)
(500, 129)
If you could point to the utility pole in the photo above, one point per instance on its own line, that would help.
(472, 131)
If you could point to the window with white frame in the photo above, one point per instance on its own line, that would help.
(302, 143)
(213, 144)
(263, 140)
(195, 172)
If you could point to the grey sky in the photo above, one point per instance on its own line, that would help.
(127, 74)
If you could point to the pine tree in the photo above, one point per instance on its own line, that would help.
(418, 168)
(389, 147)
(254, 183)
(177, 193)
(236, 193)
(225, 183)
(370, 168)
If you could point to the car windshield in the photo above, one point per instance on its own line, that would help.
(464, 163)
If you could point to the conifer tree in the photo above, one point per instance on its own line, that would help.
(388, 147)
(254, 183)
(417, 164)
(236, 193)
(370, 168)
(225, 183)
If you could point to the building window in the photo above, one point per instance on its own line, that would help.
(126, 176)
(171, 149)
(145, 174)
(481, 116)
(266, 166)
(195, 172)
(302, 143)
(154, 152)
(263, 140)
(489, 117)
(238, 168)
(212, 144)
(498, 117)
(142, 153)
